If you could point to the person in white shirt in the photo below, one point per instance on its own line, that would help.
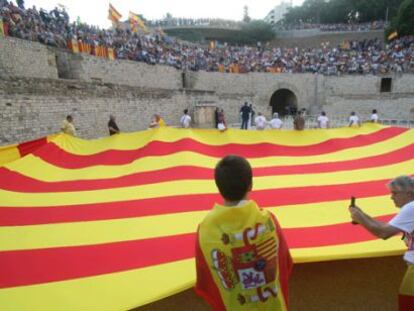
(354, 120)
(185, 120)
(260, 122)
(276, 123)
(323, 121)
(374, 116)
(402, 193)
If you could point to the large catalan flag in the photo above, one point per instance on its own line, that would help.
(110, 224)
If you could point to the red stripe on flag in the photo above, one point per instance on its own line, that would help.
(58, 157)
(31, 146)
(14, 181)
(64, 263)
(28, 267)
(16, 216)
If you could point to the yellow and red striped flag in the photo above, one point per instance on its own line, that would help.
(2, 32)
(136, 23)
(119, 214)
(113, 14)
(392, 35)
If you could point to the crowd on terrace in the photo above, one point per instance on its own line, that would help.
(352, 57)
(376, 25)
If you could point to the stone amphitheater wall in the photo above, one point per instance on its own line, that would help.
(20, 58)
(39, 86)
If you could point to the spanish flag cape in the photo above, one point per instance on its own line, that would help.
(242, 259)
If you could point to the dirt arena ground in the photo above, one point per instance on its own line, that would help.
(347, 285)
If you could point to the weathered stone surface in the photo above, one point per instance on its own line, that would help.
(34, 101)
(22, 58)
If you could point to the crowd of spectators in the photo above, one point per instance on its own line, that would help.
(187, 22)
(376, 25)
(352, 57)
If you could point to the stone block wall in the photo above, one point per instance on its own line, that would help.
(35, 108)
(91, 68)
(362, 94)
(39, 86)
(21, 58)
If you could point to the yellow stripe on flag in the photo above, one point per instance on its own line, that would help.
(392, 35)
(2, 32)
(114, 15)
(311, 203)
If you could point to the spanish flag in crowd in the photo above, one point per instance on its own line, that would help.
(111, 224)
(392, 35)
(136, 22)
(2, 32)
(113, 14)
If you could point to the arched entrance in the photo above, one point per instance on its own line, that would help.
(284, 102)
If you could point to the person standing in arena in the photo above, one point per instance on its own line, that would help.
(242, 258)
(354, 120)
(276, 122)
(374, 116)
(260, 122)
(245, 111)
(157, 121)
(402, 193)
(68, 127)
(222, 124)
(112, 126)
(323, 121)
(185, 120)
(299, 122)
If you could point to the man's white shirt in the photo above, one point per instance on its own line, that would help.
(323, 121)
(276, 123)
(185, 121)
(354, 120)
(260, 122)
(404, 221)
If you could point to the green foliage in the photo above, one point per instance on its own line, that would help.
(342, 11)
(257, 31)
(403, 22)
(246, 17)
(405, 18)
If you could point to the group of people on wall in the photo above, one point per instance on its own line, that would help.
(247, 115)
(351, 57)
(233, 275)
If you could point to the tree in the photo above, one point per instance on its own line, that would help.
(405, 18)
(342, 11)
(246, 17)
(256, 31)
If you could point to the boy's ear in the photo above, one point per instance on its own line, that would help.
(250, 187)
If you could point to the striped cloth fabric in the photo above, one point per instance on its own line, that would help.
(110, 224)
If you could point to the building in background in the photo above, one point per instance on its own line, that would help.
(277, 13)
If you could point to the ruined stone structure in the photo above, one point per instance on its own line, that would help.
(40, 85)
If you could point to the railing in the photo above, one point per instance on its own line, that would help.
(311, 122)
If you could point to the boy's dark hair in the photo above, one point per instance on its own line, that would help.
(233, 176)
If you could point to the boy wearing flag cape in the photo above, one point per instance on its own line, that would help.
(242, 259)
